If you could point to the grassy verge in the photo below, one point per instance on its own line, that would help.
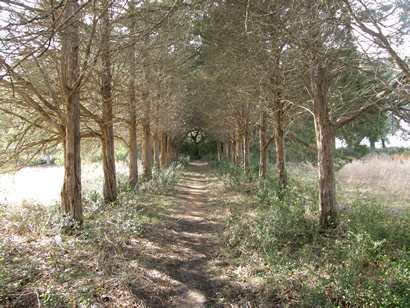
(40, 265)
(364, 262)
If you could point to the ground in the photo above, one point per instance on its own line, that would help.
(187, 258)
(178, 260)
(192, 244)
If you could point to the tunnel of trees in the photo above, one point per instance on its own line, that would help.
(243, 78)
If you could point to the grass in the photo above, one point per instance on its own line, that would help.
(382, 176)
(40, 265)
(365, 262)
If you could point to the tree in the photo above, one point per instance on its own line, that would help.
(70, 67)
(107, 136)
(132, 125)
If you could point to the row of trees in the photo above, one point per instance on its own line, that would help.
(272, 66)
(103, 70)
(146, 72)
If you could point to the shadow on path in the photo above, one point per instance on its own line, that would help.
(181, 255)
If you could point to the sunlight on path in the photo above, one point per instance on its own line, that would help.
(186, 246)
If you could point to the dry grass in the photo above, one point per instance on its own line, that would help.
(97, 266)
(386, 178)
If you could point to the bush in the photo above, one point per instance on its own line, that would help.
(162, 179)
(231, 174)
(364, 262)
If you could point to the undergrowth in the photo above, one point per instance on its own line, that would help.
(43, 265)
(364, 262)
(162, 179)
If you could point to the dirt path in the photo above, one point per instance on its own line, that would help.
(189, 270)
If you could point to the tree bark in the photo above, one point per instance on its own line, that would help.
(156, 150)
(132, 126)
(246, 148)
(279, 136)
(171, 150)
(263, 147)
(238, 149)
(70, 68)
(110, 181)
(163, 161)
(325, 139)
(229, 151)
(147, 149)
(225, 148)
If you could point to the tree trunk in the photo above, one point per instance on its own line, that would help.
(325, 139)
(132, 126)
(70, 68)
(246, 148)
(110, 181)
(383, 143)
(279, 137)
(163, 161)
(225, 148)
(229, 150)
(234, 157)
(156, 150)
(238, 149)
(219, 151)
(372, 144)
(171, 151)
(263, 147)
(147, 149)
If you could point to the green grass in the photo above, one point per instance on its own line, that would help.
(365, 261)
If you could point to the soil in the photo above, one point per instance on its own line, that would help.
(184, 263)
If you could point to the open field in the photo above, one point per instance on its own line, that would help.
(383, 177)
(43, 184)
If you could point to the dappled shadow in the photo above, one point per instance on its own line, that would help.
(176, 262)
(185, 250)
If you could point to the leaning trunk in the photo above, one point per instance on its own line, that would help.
(263, 146)
(325, 140)
(110, 182)
(70, 67)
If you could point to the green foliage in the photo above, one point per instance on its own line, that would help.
(231, 174)
(364, 262)
(162, 179)
(206, 148)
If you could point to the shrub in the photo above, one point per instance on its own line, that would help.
(162, 179)
(364, 262)
(231, 174)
